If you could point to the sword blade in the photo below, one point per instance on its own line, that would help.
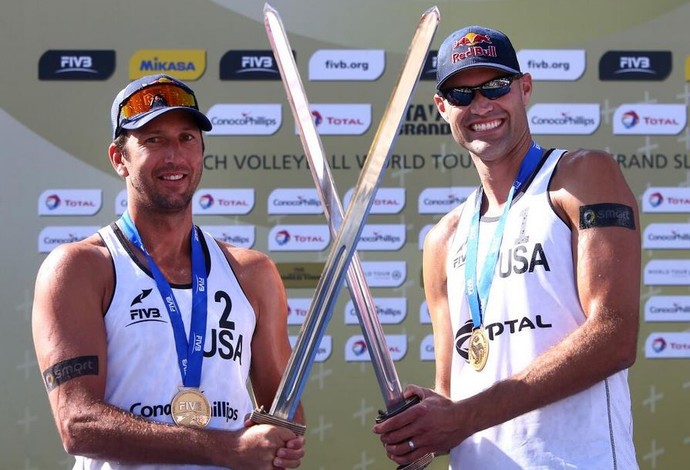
(301, 359)
(384, 368)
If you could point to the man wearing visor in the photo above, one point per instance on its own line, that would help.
(148, 332)
(533, 286)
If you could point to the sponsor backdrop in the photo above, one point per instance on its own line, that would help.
(605, 77)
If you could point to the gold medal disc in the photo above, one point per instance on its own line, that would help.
(189, 407)
(479, 348)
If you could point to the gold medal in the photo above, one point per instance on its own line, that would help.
(189, 407)
(478, 349)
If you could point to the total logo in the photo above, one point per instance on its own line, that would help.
(341, 119)
(356, 349)
(57, 202)
(386, 200)
(666, 200)
(220, 201)
(299, 238)
(649, 119)
(667, 345)
(297, 310)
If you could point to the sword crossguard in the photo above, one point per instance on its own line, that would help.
(424, 460)
(261, 416)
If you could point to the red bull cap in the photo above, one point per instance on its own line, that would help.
(475, 46)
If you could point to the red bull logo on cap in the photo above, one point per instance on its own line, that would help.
(471, 39)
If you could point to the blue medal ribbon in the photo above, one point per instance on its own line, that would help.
(190, 353)
(478, 293)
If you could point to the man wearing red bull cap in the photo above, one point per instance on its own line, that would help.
(148, 331)
(533, 286)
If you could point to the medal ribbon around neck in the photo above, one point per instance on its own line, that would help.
(190, 353)
(477, 294)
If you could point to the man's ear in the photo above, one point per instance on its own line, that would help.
(117, 160)
(442, 107)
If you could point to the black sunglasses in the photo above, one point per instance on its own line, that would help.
(493, 89)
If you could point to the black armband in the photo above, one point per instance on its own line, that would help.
(607, 215)
(68, 370)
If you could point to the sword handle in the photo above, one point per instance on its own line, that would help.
(261, 416)
(424, 460)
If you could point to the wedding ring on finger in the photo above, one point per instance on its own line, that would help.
(410, 444)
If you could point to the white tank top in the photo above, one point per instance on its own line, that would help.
(143, 372)
(532, 305)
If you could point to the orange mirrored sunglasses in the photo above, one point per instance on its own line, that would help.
(161, 93)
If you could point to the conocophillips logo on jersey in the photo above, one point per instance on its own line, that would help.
(76, 64)
(249, 65)
(51, 237)
(386, 200)
(299, 238)
(426, 349)
(635, 65)
(666, 199)
(390, 310)
(347, 64)
(553, 64)
(649, 119)
(297, 310)
(383, 237)
(667, 308)
(341, 119)
(667, 272)
(70, 202)
(666, 236)
(218, 201)
(356, 349)
(185, 64)
(323, 352)
(245, 119)
(441, 200)
(385, 273)
(243, 236)
(294, 201)
(666, 345)
(564, 118)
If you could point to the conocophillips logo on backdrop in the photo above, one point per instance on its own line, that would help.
(299, 238)
(385, 273)
(51, 237)
(665, 345)
(294, 201)
(386, 200)
(245, 119)
(649, 119)
(300, 275)
(356, 348)
(185, 64)
(81, 64)
(553, 64)
(564, 118)
(635, 65)
(323, 352)
(666, 199)
(426, 349)
(347, 64)
(382, 237)
(666, 237)
(243, 236)
(249, 65)
(219, 201)
(70, 202)
(667, 308)
(667, 272)
(441, 200)
(341, 119)
(389, 310)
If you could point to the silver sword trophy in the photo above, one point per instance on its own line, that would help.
(285, 404)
